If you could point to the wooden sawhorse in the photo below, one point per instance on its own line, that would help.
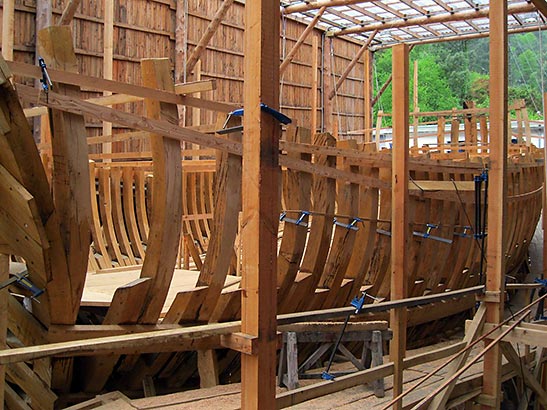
(372, 334)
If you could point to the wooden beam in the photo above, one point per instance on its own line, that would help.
(70, 165)
(513, 357)
(400, 228)
(301, 40)
(96, 83)
(440, 400)
(8, 27)
(4, 275)
(367, 95)
(108, 64)
(352, 64)
(195, 87)
(68, 12)
(261, 203)
(209, 32)
(497, 209)
(314, 5)
(166, 226)
(152, 339)
(328, 121)
(437, 18)
(314, 83)
(541, 6)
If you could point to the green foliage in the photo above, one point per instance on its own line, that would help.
(453, 72)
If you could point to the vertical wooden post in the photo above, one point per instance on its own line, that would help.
(495, 267)
(328, 122)
(399, 216)
(314, 82)
(261, 199)
(181, 51)
(4, 274)
(416, 107)
(544, 213)
(108, 59)
(8, 23)
(367, 95)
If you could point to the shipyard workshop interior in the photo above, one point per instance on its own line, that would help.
(260, 204)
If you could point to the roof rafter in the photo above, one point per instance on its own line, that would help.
(437, 18)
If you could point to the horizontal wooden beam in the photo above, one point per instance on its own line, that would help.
(195, 87)
(524, 333)
(179, 339)
(437, 18)
(100, 84)
(314, 5)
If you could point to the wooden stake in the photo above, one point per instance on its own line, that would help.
(108, 63)
(367, 96)
(260, 203)
(68, 12)
(301, 40)
(352, 64)
(328, 121)
(209, 32)
(4, 275)
(400, 228)
(8, 23)
(315, 82)
(544, 213)
(495, 267)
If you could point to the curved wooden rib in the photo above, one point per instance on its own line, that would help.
(164, 236)
(323, 195)
(129, 211)
(296, 196)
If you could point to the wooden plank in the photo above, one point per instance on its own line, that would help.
(206, 37)
(440, 400)
(163, 128)
(118, 214)
(367, 95)
(14, 401)
(129, 211)
(68, 12)
(352, 64)
(96, 83)
(69, 145)
(124, 309)
(8, 28)
(314, 83)
(20, 218)
(343, 239)
(261, 203)
(513, 357)
(193, 87)
(400, 228)
(4, 275)
(41, 396)
(165, 230)
(224, 231)
(323, 196)
(497, 235)
(309, 28)
(297, 195)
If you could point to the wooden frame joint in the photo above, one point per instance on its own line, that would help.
(486, 400)
(241, 342)
(491, 296)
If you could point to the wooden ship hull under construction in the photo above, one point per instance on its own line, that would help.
(126, 246)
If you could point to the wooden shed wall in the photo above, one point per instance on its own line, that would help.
(146, 29)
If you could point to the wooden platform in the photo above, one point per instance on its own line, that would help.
(99, 288)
